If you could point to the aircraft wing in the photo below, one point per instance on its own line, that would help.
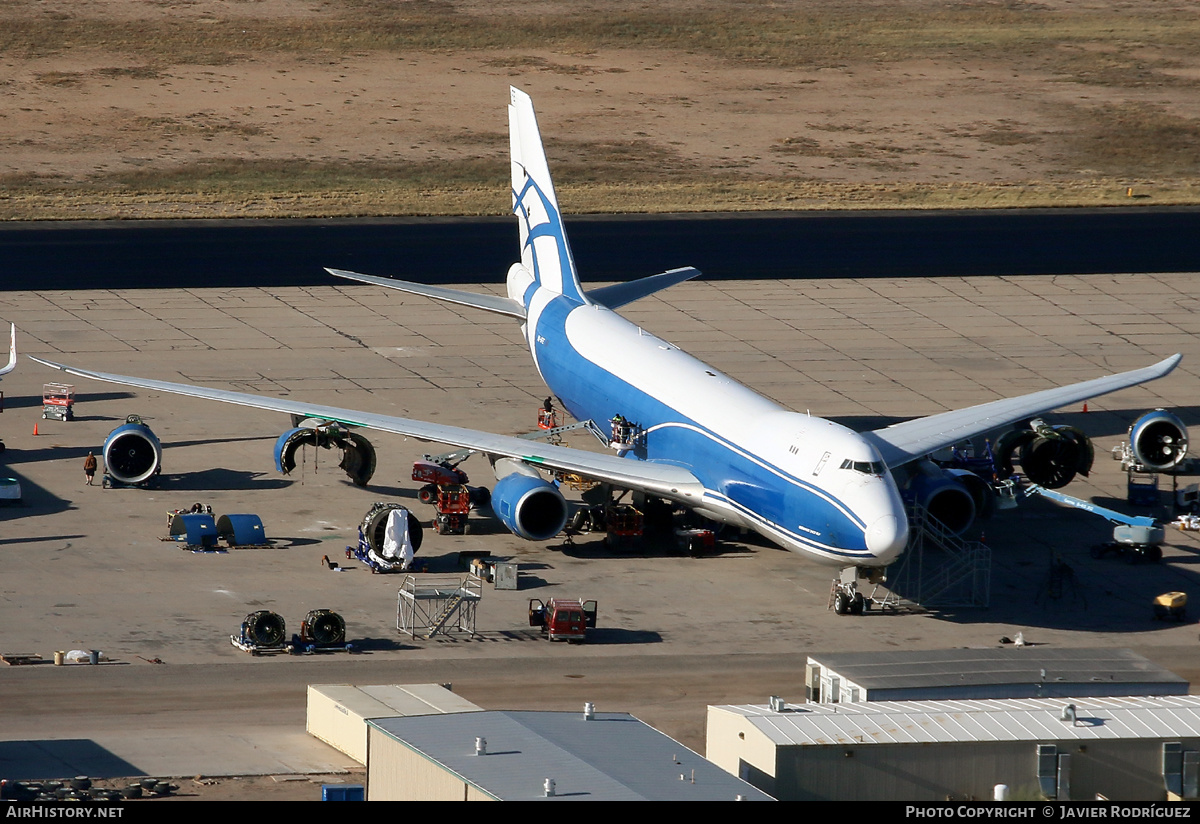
(664, 480)
(904, 442)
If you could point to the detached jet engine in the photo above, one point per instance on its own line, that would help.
(1157, 440)
(525, 502)
(132, 453)
(358, 455)
(1050, 456)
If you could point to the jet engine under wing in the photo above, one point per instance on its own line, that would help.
(904, 442)
(488, 303)
(664, 480)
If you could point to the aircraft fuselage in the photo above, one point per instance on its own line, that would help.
(807, 484)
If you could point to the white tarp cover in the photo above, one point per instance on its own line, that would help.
(397, 547)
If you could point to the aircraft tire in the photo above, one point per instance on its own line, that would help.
(857, 604)
(841, 603)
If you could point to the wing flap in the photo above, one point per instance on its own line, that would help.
(904, 442)
(488, 303)
(664, 480)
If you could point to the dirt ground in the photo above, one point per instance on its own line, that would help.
(280, 107)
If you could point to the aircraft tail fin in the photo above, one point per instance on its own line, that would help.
(545, 253)
(12, 352)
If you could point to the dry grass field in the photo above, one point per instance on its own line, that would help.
(175, 108)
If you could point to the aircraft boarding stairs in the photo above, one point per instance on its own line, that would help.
(938, 569)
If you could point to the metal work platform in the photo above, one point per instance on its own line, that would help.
(429, 604)
(952, 573)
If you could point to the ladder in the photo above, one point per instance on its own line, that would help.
(442, 618)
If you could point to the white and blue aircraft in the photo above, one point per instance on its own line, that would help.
(809, 485)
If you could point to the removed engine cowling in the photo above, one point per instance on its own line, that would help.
(1050, 456)
(530, 506)
(132, 453)
(358, 455)
(1158, 440)
(954, 497)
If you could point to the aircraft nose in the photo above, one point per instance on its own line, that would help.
(887, 537)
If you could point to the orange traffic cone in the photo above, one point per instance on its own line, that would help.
(1085, 406)
(35, 430)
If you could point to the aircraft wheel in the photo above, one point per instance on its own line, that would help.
(841, 603)
(857, 604)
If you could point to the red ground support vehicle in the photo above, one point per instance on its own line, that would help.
(625, 526)
(453, 504)
(434, 475)
(563, 619)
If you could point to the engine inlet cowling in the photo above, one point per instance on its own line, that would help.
(132, 453)
(1158, 440)
(532, 508)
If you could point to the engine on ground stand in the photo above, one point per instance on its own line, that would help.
(358, 455)
(384, 536)
(132, 454)
(1157, 441)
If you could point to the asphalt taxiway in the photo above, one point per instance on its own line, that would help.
(84, 567)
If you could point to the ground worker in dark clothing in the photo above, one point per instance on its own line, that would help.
(89, 467)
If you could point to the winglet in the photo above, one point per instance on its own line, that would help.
(12, 352)
(545, 252)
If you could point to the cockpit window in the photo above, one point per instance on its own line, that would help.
(865, 467)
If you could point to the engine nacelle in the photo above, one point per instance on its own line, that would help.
(531, 507)
(358, 455)
(1158, 440)
(946, 496)
(132, 453)
(1051, 456)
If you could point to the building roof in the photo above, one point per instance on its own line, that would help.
(1015, 719)
(613, 757)
(917, 669)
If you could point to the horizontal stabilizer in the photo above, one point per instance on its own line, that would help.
(488, 303)
(619, 294)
